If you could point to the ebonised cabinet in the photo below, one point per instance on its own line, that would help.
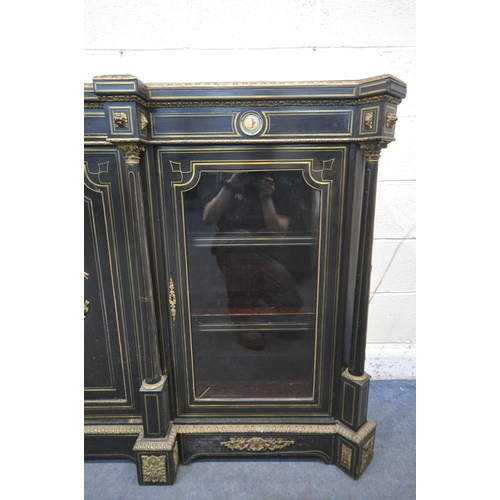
(228, 238)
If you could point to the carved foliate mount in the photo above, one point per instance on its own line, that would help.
(131, 151)
(154, 468)
(172, 299)
(373, 149)
(120, 119)
(367, 454)
(390, 120)
(257, 444)
(345, 457)
(368, 121)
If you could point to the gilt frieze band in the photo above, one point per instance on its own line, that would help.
(355, 437)
(247, 103)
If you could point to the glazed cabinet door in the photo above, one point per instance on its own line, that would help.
(253, 238)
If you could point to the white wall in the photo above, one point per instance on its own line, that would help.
(283, 40)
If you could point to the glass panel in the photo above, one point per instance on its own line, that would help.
(252, 244)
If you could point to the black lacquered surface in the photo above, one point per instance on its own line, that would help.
(252, 283)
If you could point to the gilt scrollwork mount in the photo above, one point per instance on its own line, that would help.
(256, 444)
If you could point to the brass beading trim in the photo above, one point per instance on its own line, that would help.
(373, 148)
(172, 299)
(190, 102)
(131, 151)
(356, 437)
(256, 444)
(151, 387)
(356, 378)
(97, 430)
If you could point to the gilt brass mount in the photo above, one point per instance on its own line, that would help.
(256, 443)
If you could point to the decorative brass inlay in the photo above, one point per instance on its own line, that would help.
(132, 152)
(164, 444)
(272, 103)
(251, 123)
(356, 378)
(372, 149)
(327, 165)
(175, 454)
(154, 468)
(86, 303)
(172, 299)
(369, 120)
(257, 84)
(367, 454)
(151, 444)
(95, 430)
(93, 105)
(152, 387)
(120, 119)
(390, 120)
(125, 76)
(175, 166)
(355, 437)
(346, 457)
(256, 444)
(144, 122)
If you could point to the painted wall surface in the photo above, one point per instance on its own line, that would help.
(292, 40)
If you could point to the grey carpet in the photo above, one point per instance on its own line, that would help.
(390, 476)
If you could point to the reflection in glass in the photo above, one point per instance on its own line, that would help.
(252, 240)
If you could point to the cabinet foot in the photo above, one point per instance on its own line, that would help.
(157, 459)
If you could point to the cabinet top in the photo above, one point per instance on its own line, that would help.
(113, 87)
(122, 108)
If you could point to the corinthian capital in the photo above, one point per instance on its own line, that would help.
(373, 149)
(132, 151)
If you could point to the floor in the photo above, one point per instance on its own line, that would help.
(390, 476)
